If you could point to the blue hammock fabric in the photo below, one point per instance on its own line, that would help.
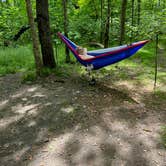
(103, 57)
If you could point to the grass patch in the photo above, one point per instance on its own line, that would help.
(139, 66)
(29, 76)
(14, 60)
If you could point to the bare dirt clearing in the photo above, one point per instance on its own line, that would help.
(66, 122)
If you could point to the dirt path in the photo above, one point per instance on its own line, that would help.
(66, 122)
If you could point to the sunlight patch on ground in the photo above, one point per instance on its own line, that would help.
(31, 123)
(148, 136)
(67, 109)
(3, 104)
(128, 84)
(32, 89)
(21, 109)
(143, 135)
(38, 94)
(5, 122)
(51, 154)
(19, 94)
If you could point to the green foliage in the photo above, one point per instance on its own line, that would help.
(12, 18)
(84, 21)
(29, 77)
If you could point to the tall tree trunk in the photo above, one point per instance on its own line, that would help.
(107, 26)
(123, 18)
(66, 28)
(132, 18)
(44, 33)
(132, 13)
(95, 9)
(34, 36)
(139, 12)
(101, 20)
(156, 61)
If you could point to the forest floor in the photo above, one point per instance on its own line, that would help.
(63, 121)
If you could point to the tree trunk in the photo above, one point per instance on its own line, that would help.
(107, 27)
(66, 29)
(132, 13)
(44, 33)
(23, 29)
(34, 36)
(156, 61)
(132, 19)
(122, 25)
(101, 20)
(139, 12)
(95, 9)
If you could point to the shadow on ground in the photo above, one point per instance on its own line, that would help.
(54, 122)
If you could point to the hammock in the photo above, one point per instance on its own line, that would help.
(103, 57)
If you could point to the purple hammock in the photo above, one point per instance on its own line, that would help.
(103, 57)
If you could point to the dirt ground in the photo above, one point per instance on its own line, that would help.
(65, 122)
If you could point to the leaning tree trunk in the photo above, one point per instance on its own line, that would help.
(44, 33)
(66, 29)
(122, 25)
(107, 27)
(34, 36)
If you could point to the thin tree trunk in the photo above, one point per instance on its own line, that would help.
(139, 12)
(132, 14)
(156, 62)
(44, 33)
(101, 20)
(122, 25)
(34, 36)
(132, 19)
(66, 29)
(95, 9)
(107, 27)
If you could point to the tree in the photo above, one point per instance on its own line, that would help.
(122, 19)
(139, 11)
(107, 27)
(66, 28)
(101, 20)
(36, 49)
(44, 33)
(132, 13)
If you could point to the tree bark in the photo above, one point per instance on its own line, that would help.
(107, 27)
(156, 61)
(20, 32)
(132, 13)
(44, 33)
(139, 12)
(101, 20)
(122, 25)
(66, 29)
(132, 19)
(34, 36)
